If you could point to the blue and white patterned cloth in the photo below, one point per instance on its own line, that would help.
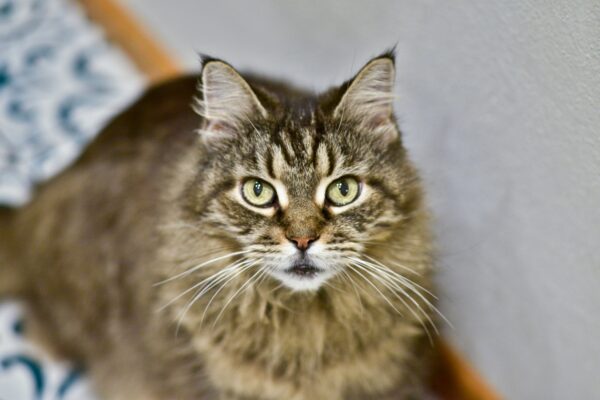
(26, 373)
(60, 81)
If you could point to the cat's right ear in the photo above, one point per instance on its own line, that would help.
(226, 102)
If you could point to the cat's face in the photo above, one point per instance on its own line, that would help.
(303, 186)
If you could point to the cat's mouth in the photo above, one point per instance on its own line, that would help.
(304, 269)
(303, 273)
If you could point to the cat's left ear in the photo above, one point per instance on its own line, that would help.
(227, 101)
(369, 97)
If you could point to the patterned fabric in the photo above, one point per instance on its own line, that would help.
(59, 83)
(26, 373)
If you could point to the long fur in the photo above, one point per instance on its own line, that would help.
(142, 262)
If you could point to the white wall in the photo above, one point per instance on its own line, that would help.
(500, 104)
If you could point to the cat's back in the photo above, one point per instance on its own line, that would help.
(90, 231)
(128, 155)
(163, 115)
(99, 210)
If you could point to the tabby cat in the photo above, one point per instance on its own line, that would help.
(271, 245)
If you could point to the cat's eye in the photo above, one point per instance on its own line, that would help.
(258, 193)
(343, 191)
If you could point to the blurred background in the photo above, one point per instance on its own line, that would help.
(499, 103)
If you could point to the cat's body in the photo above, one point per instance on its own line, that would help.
(100, 254)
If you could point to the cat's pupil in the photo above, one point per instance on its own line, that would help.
(343, 188)
(257, 188)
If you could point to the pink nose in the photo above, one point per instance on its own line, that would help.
(304, 242)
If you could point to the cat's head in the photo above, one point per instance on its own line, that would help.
(302, 183)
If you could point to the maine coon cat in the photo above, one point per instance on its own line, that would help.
(271, 244)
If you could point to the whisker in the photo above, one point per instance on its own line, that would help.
(230, 267)
(222, 287)
(412, 286)
(404, 267)
(394, 292)
(245, 285)
(265, 275)
(394, 277)
(199, 258)
(347, 276)
(334, 287)
(375, 287)
(203, 264)
(228, 277)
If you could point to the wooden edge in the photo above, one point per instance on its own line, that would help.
(123, 29)
(455, 379)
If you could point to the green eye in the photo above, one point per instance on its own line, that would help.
(258, 193)
(343, 191)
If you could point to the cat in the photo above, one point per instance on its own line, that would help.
(267, 243)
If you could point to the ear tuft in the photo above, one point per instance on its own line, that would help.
(370, 95)
(227, 100)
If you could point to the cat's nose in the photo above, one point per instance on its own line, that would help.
(303, 242)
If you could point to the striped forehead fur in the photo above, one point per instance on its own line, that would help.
(298, 138)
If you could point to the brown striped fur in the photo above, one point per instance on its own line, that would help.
(151, 198)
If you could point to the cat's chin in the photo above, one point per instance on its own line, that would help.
(303, 279)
